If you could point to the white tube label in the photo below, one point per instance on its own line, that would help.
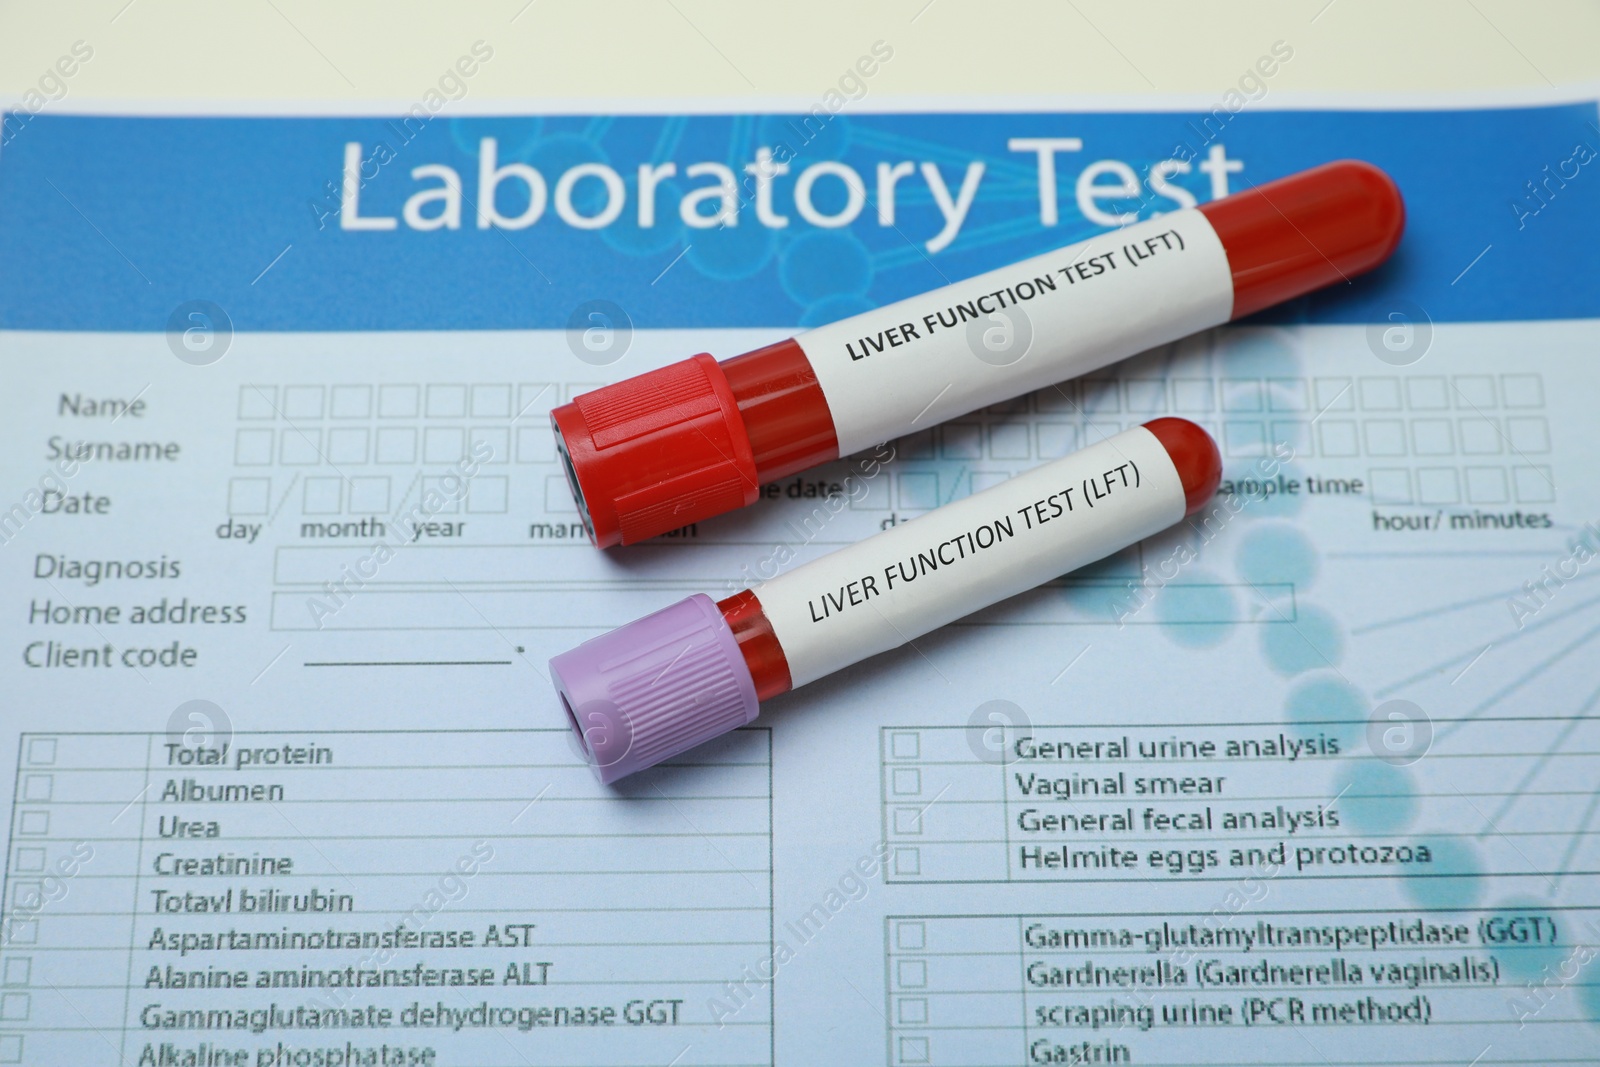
(929, 358)
(914, 578)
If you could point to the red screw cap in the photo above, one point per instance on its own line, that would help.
(655, 452)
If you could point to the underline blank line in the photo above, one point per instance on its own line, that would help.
(412, 663)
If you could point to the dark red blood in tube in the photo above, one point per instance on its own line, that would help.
(1195, 455)
(790, 426)
(1320, 226)
(769, 670)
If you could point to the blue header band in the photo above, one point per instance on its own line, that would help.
(109, 223)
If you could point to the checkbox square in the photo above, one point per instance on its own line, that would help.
(1522, 390)
(10, 1048)
(534, 401)
(1095, 432)
(1059, 398)
(1474, 392)
(38, 786)
(918, 489)
(33, 823)
(535, 445)
(350, 402)
(41, 751)
(489, 444)
(908, 821)
(258, 401)
(300, 447)
(15, 1007)
(491, 401)
(487, 495)
(981, 480)
(443, 444)
(249, 496)
(16, 971)
(870, 494)
(347, 445)
(1487, 485)
(1380, 394)
(912, 1050)
(961, 440)
(1056, 439)
(447, 401)
(397, 444)
(1194, 396)
(398, 401)
(1244, 438)
(302, 402)
(911, 1011)
(28, 860)
(252, 447)
(1334, 394)
(1528, 433)
(1390, 485)
(915, 446)
(1147, 396)
(906, 781)
(1294, 433)
(905, 744)
(1385, 437)
(444, 492)
(1009, 441)
(1286, 394)
(1102, 396)
(908, 862)
(1241, 394)
(1533, 484)
(22, 931)
(1438, 485)
(1479, 436)
(1433, 437)
(1336, 438)
(1428, 394)
(911, 935)
(323, 496)
(911, 974)
(27, 895)
(369, 495)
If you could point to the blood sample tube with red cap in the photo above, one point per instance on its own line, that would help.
(698, 437)
(663, 684)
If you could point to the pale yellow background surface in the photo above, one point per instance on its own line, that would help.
(727, 49)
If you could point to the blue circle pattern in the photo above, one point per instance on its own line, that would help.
(1327, 704)
(1376, 797)
(1312, 641)
(1532, 962)
(1277, 553)
(1201, 595)
(729, 253)
(1452, 857)
(822, 264)
(809, 138)
(628, 237)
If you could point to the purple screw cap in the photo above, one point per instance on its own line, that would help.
(654, 688)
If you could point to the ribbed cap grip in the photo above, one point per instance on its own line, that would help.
(656, 687)
(656, 452)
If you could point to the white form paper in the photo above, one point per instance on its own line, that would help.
(1311, 779)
